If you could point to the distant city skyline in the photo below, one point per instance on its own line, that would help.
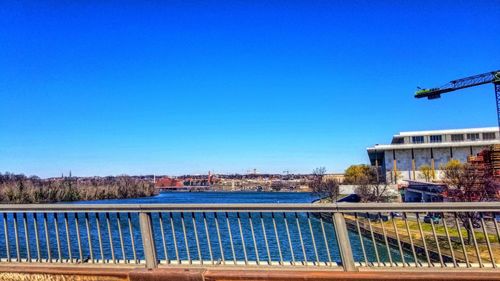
(190, 87)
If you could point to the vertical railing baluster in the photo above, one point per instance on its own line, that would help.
(47, 241)
(195, 229)
(242, 239)
(68, 241)
(16, 234)
(186, 243)
(497, 229)
(313, 239)
(37, 238)
(111, 245)
(27, 236)
(216, 219)
(437, 243)
(443, 215)
(429, 263)
(343, 241)
(374, 243)
(397, 239)
(131, 232)
(326, 240)
(58, 240)
(490, 252)
(277, 239)
(230, 238)
(410, 237)
(360, 236)
(174, 238)
(6, 234)
(160, 216)
(208, 238)
(148, 241)
(120, 234)
(301, 240)
(457, 223)
(385, 238)
(269, 260)
(89, 237)
(257, 258)
(290, 240)
(478, 254)
(78, 238)
(99, 237)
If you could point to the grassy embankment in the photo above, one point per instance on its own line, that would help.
(440, 231)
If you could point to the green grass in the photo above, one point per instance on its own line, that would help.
(440, 230)
(441, 235)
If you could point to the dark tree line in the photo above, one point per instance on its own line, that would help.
(21, 189)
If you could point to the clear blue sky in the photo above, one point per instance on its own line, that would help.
(171, 87)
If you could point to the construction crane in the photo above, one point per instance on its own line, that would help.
(481, 79)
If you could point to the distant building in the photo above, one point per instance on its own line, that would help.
(168, 182)
(409, 151)
(336, 177)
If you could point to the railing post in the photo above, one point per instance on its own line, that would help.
(148, 241)
(343, 242)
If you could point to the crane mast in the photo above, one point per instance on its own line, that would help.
(476, 80)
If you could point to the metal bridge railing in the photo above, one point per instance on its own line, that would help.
(344, 236)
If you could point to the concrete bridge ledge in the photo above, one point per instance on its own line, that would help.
(37, 273)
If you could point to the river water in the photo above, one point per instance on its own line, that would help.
(283, 234)
(215, 197)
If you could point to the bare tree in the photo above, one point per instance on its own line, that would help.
(324, 187)
(21, 189)
(465, 183)
(372, 192)
(278, 185)
(368, 188)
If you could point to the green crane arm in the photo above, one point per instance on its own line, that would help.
(485, 78)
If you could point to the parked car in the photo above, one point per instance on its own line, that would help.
(435, 218)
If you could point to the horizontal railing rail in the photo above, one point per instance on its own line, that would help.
(342, 207)
(344, 236)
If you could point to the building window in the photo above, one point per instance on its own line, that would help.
(473, 137)
(436, 138)
(459, 137)
(489, 136)
(417, 139)
(398, 141)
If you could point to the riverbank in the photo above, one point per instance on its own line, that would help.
(409, 233)
(422, 238)
(19, 189)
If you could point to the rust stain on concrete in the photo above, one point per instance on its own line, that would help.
(14, 276)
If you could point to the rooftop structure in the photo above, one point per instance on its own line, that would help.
(409, 151)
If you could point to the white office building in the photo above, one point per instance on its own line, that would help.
(408, 151)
